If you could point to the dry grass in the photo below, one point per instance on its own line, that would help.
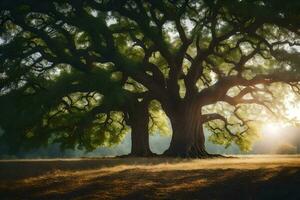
(251, 177)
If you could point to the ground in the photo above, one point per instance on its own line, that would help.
(245, 177)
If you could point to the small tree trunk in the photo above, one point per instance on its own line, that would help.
(139, 120)
(188, 137)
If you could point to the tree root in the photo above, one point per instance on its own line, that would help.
(194, 153)
(133, 155)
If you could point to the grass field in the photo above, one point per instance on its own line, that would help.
(247, 177)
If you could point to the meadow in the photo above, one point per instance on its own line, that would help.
(239, 177)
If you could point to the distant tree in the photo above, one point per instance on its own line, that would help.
(286, 149)
(212, 63)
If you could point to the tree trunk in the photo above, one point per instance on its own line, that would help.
(139, 120)
(188, 137)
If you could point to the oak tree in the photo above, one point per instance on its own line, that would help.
(192, 56)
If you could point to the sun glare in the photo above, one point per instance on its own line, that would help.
(273, 129)
(294, 111)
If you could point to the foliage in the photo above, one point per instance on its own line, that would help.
(159, 122)
(224, 54)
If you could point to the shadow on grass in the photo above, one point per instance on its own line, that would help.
(262, 183)
(8, 168)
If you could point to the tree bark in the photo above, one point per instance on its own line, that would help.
(188, 138)
(139, 120)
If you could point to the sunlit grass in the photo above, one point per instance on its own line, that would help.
(157, 178)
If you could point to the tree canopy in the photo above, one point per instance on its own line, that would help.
(220, 64)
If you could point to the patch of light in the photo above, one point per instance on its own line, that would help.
(273, 129)
(291, 49)
(293, 111)
(170, 29)
(94, 13)
(293, 106)
(214, 77)
(287, 67)
(110, 19)
(296, 48)
(189, 24)
(1, 41)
